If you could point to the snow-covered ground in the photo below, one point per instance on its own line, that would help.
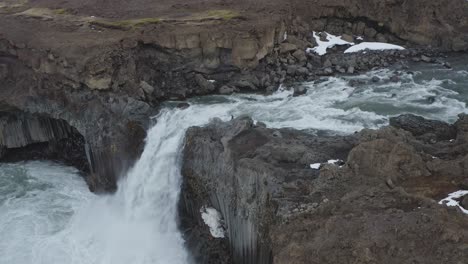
(451, 200)
(373, 46)
(315, 166)
(332, 41)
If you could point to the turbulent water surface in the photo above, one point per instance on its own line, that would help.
(48, 216)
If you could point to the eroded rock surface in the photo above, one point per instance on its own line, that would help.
(381, 206)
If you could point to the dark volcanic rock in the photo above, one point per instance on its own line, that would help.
(380, 207)
(419, 126)
(265, 165)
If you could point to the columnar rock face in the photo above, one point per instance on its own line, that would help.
(104, 67)
(379, 206)
(26, 136)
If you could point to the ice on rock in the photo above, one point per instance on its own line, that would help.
(450, 200)
(212, 219)
(373, 46)
(315, 166)
(322, 46)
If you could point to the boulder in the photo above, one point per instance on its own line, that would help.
(204, 84)
(300, 55)
(419, 126)
(287, 47)
(226, 89)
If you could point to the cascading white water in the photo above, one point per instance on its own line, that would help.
(56, 221)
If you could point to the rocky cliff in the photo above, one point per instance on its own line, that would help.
(103, 67)
(378, 205)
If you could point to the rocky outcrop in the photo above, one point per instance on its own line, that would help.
(104, 72)
(25, 137)
(434, 23)
(113, 126)
(379, 206)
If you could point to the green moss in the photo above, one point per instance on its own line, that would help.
(125, 24)
(222, 14)
(60, 11)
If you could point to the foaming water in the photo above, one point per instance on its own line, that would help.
(48, 216)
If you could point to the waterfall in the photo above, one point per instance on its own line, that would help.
(56, 221)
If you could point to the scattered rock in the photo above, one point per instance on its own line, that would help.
(204, 84)
(350, 69)
(426, 59)
(300, 55)
(395, 78)
(299, 90)
(183, 105)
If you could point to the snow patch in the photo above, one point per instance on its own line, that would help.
(373, 46)
(315, 166)
(212, 219)
(334, 161)
(450, 200)
(212, 81)
(322, 46)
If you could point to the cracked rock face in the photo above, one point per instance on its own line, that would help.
(381, 206)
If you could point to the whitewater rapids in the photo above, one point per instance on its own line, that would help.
(47, 215)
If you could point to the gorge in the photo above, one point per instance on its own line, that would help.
(169, 108)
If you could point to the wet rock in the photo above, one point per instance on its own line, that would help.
(419, 126)
(204, 84)
(375, 79)
(226, 89)
(395, 78)
(183, 105)
(431, 99)
(447, 65)
(299, 90)
(328, 71)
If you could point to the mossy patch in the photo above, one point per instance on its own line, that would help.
(125, 24)
(60, 11)
(222, 14)
(11, 7)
